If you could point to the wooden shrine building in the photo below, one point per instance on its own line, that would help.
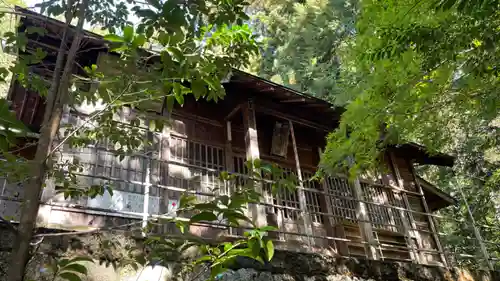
(387, 216)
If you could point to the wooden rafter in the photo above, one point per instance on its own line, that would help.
(295, 119)
(293, 100)
(233, 112)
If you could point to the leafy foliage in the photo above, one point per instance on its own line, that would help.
(212, 257)
(303, 42)
(70, 269)
(192, 47)
(426, 72)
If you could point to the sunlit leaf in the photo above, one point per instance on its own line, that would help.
(269, 249)
(113, 38)
(70, 276)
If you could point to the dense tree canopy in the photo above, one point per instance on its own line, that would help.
(303, 42)
(429, 73)
(7, 23)
(420, 71)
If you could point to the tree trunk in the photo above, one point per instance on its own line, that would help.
(54, 85)
(56, 100)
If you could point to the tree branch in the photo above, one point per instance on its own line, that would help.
(10, 226)
(88, 120)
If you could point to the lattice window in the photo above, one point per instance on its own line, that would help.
(102, 166)
(342, 200)
(313, 199)
(289, 199)
(196, 153)
(284, 198)
(381, 216)
(100, 161)
(194, 165)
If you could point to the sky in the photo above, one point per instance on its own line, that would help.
(32, 3)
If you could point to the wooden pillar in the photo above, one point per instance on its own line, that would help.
(229, 165)
(329, 221)
(146, 171)
(164, 166)
(364, 222)
(12, 87)
(410, 234)
(252, 152)
(302, 196)
(228, 149)
(147, 186)
(429, 218)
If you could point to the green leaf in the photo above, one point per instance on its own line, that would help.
(63, 262)
(181, 226)
(146, 13)
(70, 276)
(186, 200)
(216, 270)
(110, 190)
(227, 246)
(176, 53)
(81, 258)
(254, 246)
(155, 3)
(257, 163)
(269, 249)
(203, 259)
(259, 259)
(268, 228)
(170, 102)
(180, 98)
(113, 38)
(205, 206)
(139, 40)
(128, 33)
(199, 89)
(75, 267)
(203, 216)
(224, 200)
(231, 214)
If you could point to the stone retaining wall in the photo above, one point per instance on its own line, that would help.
(285, 266)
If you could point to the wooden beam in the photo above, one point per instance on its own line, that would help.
(295, 119)
(363, 222)
(429, 218)
(268, 89)
(233, 112)
(196, 118)
(309, 105)
(293, 100)
(229, 163)
(328, 221)
(12, 87)
(306, 218)
(146, 166)
(252, 153)
(409, 234)
(164, 167)
(228, 149)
